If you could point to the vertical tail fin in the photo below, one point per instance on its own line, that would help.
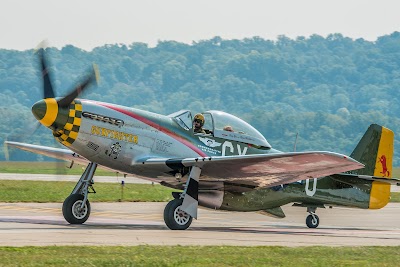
(375, 151)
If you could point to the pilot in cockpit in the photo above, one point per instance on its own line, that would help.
(198, 123)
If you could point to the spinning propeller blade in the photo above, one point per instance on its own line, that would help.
(18, 136)
(48, 91)
(92, 77)
(5, 150)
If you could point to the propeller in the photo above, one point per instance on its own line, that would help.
(48, 91)
(5, 150)
(52, 112)
(92, 77)
(18, 136)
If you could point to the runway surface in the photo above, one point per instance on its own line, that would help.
(38, 224)
(35, 224)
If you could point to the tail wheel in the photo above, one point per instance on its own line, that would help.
(312, 221)
(174, 217)
(73, 211)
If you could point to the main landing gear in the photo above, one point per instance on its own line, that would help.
(179, 213)
(312, 220)
(174, 217)
(76, 207)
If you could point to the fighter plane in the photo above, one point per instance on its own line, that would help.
(214, 159)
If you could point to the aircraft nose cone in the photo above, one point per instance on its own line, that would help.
(47, 112)
(39, 109)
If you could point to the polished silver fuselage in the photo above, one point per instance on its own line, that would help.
(142, 135)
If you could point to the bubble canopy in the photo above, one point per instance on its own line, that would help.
(228, 126)
(223, 125)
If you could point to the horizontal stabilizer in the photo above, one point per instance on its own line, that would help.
(343, 177)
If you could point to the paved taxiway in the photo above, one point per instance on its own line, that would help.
(38, 224)
(24, 224)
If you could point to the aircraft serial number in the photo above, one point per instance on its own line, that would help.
(117, 135)
(102, 118)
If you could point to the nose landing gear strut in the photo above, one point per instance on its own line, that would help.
(76, 207)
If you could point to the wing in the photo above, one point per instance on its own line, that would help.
(265, 170)
(253, 170)
(58, 153)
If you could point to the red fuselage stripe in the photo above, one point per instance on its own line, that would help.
(156, 126)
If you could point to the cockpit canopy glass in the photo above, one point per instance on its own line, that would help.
(223, 125)
(231, 127)
(183, 118)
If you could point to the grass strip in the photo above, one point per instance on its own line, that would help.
(198, 256)
(43, 191)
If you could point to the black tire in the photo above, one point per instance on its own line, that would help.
(71, 209)
(312, 222)
(174, 218)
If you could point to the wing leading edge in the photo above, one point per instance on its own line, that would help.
(265, 170)
(58, 153)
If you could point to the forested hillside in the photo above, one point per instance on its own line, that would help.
(328, 90)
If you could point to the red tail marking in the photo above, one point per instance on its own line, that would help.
(385, 170)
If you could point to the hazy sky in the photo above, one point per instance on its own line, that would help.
(90, 23)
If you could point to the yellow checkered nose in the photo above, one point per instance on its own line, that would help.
(65, 122)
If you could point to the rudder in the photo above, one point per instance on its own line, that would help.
(375, 151)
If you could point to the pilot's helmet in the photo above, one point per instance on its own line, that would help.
(200, 118)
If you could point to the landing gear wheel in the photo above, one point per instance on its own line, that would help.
(72, 211)
(174, 217)
(312, 221)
